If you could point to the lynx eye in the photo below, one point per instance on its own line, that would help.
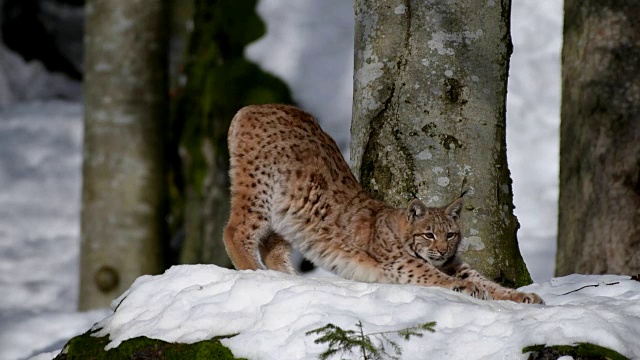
(451, 235)
(428, 236)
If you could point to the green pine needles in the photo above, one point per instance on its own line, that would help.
(370, 346)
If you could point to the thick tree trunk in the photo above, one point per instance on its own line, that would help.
(429, 117)
(599, 207)
(123, 177)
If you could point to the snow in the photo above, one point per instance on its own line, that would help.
(47, 332)
(310, 46)
(40, 143)
(21, 81)
(533, 127)
(273, 311)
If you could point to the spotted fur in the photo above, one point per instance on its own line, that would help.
(291, 187)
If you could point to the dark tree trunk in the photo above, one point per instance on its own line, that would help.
(599, 206)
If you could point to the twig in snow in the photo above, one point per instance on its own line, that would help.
(586, 286)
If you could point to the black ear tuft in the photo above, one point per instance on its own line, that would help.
(454, 209)
(416, 210)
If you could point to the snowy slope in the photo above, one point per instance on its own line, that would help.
(272, 311)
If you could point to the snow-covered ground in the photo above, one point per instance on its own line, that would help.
(310, 46)
(272, 311)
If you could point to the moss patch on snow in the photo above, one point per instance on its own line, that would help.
(579, 351)
(88, 347)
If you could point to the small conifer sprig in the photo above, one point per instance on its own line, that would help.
(371, 346)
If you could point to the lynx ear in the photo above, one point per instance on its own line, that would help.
(454, 208)
(416, 209)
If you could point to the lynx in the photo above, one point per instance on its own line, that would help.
(291, 188)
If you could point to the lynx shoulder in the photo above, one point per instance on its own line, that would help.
(291, 188)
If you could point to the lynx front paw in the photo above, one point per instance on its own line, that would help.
(469, 288)
(526, 298)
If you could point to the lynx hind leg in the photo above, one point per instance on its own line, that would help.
(494, 291)
(242, 237)
(276, 253)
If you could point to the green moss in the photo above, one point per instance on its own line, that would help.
(523, 277)
(87, 347)
(579, 351)
(516, 269)
(219, 81)
(501, 264)
(513, 271)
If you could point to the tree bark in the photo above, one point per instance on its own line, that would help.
(123, 176)
(599, 206)
(429, 117)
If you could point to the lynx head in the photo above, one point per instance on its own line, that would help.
(433, 234)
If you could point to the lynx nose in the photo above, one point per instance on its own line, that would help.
(441, 250)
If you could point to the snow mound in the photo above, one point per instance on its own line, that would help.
(271, 312)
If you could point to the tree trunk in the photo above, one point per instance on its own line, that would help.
(599, 207)
(123, 176)
(429, 117)
(219, 82)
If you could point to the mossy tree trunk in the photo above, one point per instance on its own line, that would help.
(219, 81)
(599, 206)
(123, 175)
(429, 117)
